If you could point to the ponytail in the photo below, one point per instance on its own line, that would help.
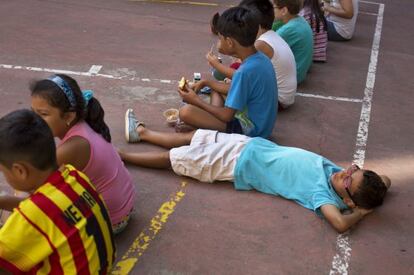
(316, 11)
(94, 116)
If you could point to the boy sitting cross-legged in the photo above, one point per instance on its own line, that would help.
(250, 107)
(63, 226)
(276, 48)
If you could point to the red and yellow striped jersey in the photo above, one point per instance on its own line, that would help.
(62, 228)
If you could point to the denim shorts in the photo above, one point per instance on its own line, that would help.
(333, 35)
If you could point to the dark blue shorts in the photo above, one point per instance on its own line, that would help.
(234, 127)
(333, 35)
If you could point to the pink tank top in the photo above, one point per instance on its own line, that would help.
(106, 171)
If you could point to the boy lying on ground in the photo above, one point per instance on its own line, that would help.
(256, 163)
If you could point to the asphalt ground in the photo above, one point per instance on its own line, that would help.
(355, 108)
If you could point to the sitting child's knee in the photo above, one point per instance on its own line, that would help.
(185, 112)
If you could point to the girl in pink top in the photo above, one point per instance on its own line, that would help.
(77, 119)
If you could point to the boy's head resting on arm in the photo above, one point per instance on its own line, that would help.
(358, 187)
(27, 149)
(371, 192)
(238, 24)
(263, 10)
(61, 103)
(287, 7)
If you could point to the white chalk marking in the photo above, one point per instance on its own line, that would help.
(330, 97)
(95, 69)
(340, 262)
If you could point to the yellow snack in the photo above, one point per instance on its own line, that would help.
(182, 83)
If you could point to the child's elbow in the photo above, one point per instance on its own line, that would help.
(340, 226)
(341, 229)
(349, 15)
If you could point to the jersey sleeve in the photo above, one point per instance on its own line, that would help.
(22, 245)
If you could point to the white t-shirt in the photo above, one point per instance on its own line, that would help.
(284, 64)
(345, 27)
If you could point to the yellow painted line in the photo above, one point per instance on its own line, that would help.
(142, 242)
(183, 3)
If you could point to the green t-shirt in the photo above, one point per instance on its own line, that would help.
(277, 24)
(298, 34)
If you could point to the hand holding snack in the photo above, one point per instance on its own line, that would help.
(198, 86)
(187, 93)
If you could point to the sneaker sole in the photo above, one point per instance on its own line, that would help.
(127, 124)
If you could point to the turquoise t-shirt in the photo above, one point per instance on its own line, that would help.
(298, 34)
(253, 93)
(290, 172)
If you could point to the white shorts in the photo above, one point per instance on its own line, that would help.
(211, 156)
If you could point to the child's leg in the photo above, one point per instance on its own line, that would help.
(160, 160)
(164, 139)
(216, 99)
(207, 160)
(199, 118)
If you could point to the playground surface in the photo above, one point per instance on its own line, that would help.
(356, 108)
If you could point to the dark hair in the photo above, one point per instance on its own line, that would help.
(238, 23)
(293, 6)
(371, 192)
(25, 136)
(317, 14)
(93, 114)
(263, 9)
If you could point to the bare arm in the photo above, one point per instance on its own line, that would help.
(342, 222)
(264, 48)
(220, 87)
(224, 114)
(345, 11)
(9, 202)
(75, 151)
(216, 64)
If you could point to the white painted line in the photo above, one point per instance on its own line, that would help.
(58, 71)
(362, 135)
(93, 72)
(370, 2)
(368, 13)
(36, 69)
(95, 69)
(340, 262)
(330, 97)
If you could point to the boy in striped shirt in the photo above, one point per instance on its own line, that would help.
(63, 226)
